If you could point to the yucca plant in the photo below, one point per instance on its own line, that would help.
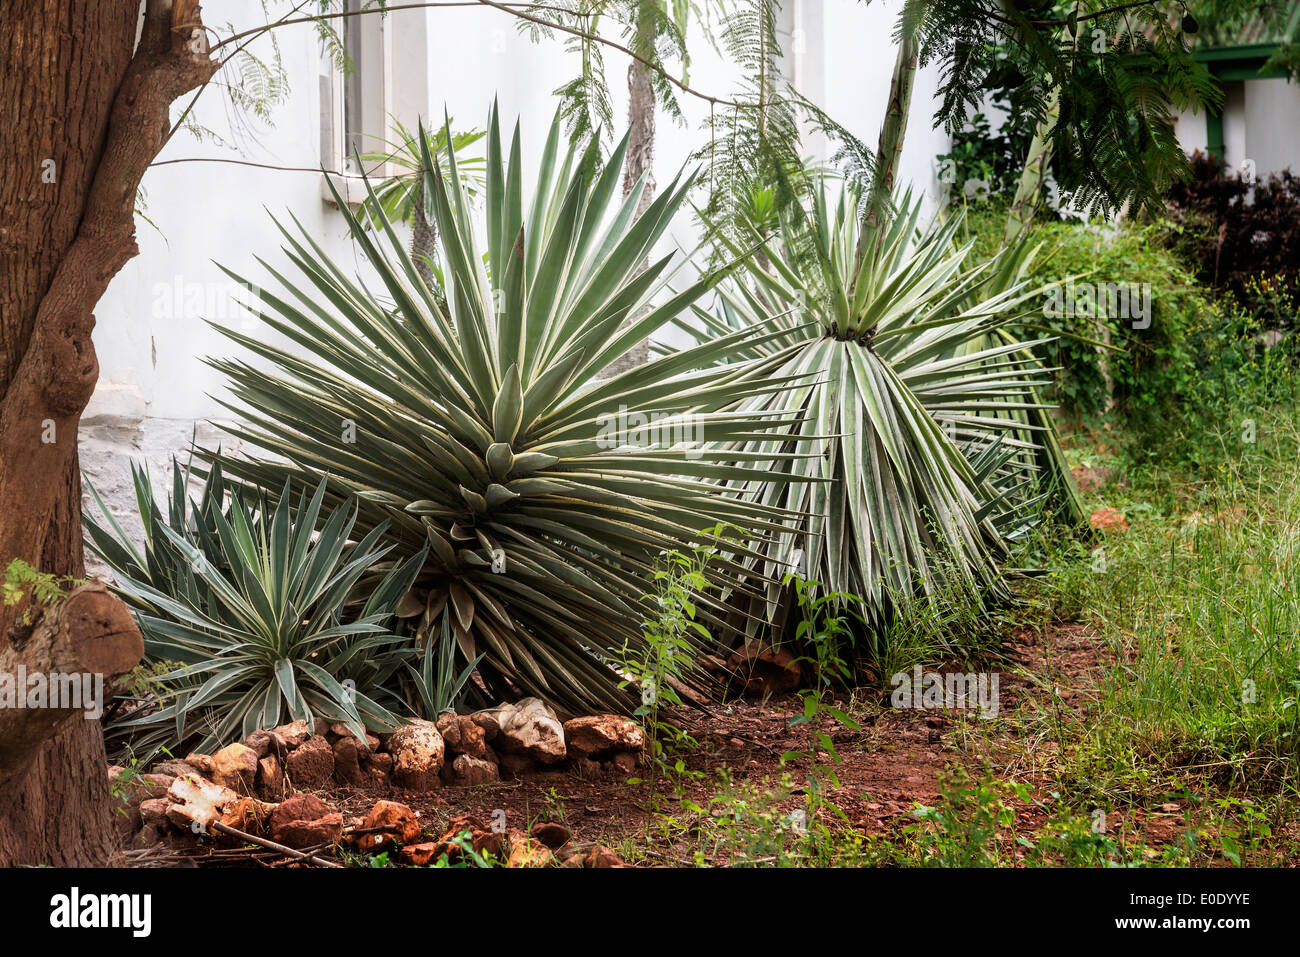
(485, 433)
(257, 611)
(921, 423)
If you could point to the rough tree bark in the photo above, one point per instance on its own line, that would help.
(639, 160)
(892, 134)
(640, 121)
(85, 108)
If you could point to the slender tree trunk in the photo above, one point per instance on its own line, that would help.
(1029, 191)
(424, 238)
(892, 134)
(639, 160)
(84, 110)
(640, 122)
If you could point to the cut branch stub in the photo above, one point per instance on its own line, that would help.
(61, 671)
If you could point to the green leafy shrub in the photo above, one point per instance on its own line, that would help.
(1150, 369)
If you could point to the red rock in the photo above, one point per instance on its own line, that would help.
(323, 830)
(305, 820)
(311, 765)
(419, 855)
(399, 824)
(270, 778)
(263, 743)
(483, 839)
(765, 670)
(235, 767)
(597, 856)
(487, 720)
(550, 833)
(294, 734)
(338, 731)
(153, 811)
(173, 769)
(529, 853)
(248, 815)
(600, 734)
(449, 728)
(156, 784)
(347, 761)
(133, 788)
(470, 771)
(1108, 520)
(201, 763)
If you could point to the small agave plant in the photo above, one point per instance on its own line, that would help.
(254, 612)
(490, 433)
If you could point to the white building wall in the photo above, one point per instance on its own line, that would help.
(1261, 122)
(151, 336)
(1272, 121)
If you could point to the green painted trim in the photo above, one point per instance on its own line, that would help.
(1246, 71)
(1214, 134)
(1248, 51)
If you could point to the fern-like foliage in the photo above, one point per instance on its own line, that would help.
(655, 30)
(1122, 69)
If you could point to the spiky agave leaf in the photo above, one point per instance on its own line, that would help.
(1034, 466)
(906, 511)
(543, 493)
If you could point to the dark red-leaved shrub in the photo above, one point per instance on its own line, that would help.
(1242, 238)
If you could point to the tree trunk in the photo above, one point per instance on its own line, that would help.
(639, 160)
(85, 110)
(892, 133)
(640, 121)
(1029, 191)
(424, 238)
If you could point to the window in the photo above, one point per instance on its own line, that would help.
(355, 103)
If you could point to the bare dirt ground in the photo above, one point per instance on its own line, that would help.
(891, 764)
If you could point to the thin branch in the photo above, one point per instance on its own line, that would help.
(272, 845)
(236, 162)
(513, 9)
(316, 18)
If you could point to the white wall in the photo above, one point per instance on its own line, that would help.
(1261, 122)
(150, 335)
(1272, 123)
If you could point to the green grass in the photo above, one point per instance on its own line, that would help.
(1199, 607)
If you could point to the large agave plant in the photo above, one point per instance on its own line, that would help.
(254, 613)
(923, 407)
(484, 433)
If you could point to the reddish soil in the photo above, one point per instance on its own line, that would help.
(889, 765)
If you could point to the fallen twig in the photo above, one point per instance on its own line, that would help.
(272, 845)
